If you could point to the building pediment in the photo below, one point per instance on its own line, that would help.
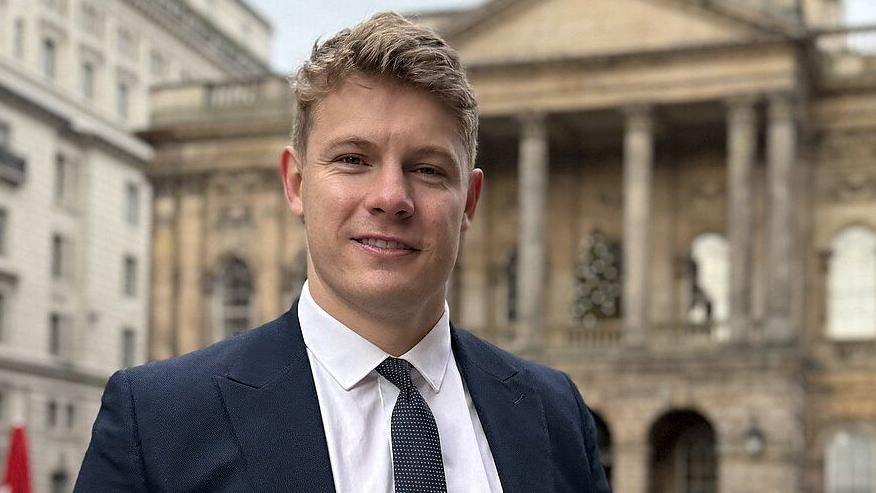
(534, 30)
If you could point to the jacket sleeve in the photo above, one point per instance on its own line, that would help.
(114, 459)
(597, 473)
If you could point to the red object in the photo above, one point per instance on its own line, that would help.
(17, 478)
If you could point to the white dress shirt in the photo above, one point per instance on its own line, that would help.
(356, 405)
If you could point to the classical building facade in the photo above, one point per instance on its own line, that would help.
(75, 222)
(679, 211)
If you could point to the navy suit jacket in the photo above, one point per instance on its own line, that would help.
(243, 415)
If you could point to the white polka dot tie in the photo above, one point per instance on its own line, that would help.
(416, 448)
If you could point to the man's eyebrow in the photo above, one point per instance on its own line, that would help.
(348, 140)
(434, 150)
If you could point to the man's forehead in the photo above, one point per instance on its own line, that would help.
(353, 87)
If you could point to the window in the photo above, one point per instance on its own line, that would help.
(709, 271)
(128, 347)
(849, 463)
(4, 309)
(60, 178)
(127, 44)
(65, 181)
(851, 285)
(61, 257)
(49, 55)
(71, 415)
(4, 135)
(18, 38)
(236, 293)
(52, 414)
(60, 482)
(157, 66)
(122, 100)
(57, 257)
(88, 80)
(55, 327)
(129, 280)
(132, 203)
(4, 220)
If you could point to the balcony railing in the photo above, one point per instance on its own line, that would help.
(609, 335)
(12, 167)
(261, 98)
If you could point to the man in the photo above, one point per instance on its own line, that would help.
(362, 385)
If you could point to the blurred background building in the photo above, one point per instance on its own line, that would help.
(679, 212)
(75, 204)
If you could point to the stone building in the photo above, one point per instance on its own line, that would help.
(75, 204)
(679, 211)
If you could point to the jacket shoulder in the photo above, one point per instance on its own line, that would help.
(196, 369)
(495, 357)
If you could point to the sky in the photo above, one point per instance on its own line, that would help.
(298, 23)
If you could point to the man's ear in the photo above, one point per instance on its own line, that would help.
(475, 182)
(290, 172)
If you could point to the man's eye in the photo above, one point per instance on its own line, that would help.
(350, 159)
(428, 171)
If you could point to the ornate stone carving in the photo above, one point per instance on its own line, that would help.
(855, 185)
(852, 147)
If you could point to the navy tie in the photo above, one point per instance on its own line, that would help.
(416, 448)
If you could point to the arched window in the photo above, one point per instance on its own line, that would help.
(849, 463)
(709, 298)
(851, 285)
(236, 297)
(683, 454)
(597, 280)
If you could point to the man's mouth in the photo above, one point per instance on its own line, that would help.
(384, 244)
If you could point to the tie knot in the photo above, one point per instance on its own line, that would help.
(397, 371)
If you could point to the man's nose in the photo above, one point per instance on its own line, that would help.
(390, 193)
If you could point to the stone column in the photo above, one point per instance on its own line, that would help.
(741, 148)
(190, 272)
(474, 283)
(163, 296)
(638, 164)
(781, 248)
(532, 187)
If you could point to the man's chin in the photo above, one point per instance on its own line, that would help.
(389, 293)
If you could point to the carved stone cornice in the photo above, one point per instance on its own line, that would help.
(201, 35)
(848, 185)
(850, 147)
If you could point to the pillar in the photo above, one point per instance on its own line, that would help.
(638, 165)
(531, 260)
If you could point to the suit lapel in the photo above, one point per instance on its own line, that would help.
(271, 401)
(511, 414)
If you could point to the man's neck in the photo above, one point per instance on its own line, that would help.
(392, 328)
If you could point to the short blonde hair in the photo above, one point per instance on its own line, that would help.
(387, 45)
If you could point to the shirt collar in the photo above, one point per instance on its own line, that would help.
(349, 357)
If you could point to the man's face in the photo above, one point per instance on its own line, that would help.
(384, 192)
